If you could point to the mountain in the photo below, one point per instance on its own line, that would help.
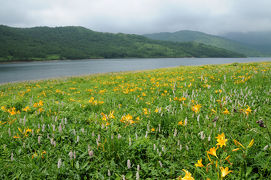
(195, 36)
(73, 42)
(257, 40)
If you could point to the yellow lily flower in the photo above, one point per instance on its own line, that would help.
(224, 171)
(212, 151)
(199, 163)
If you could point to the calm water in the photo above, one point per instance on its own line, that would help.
(43, 70)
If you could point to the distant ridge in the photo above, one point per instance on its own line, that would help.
(260, 41)
(75, 42)
(200, 37)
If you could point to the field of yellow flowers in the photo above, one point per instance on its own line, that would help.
(201, 122)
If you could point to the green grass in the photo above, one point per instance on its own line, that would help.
(143, 118)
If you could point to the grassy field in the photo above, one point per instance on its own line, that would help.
(196, 122)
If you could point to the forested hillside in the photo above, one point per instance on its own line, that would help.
(40, 43)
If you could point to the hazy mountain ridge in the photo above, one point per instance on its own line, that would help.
(73, 42)
(200, 37)
(260, 41)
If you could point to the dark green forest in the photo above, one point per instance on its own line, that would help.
(73, 42)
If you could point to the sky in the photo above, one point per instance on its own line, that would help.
(141, 16)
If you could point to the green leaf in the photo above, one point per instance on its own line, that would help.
(77, 165)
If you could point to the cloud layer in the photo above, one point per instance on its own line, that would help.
(141, 16)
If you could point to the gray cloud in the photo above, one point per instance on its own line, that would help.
(141, 16)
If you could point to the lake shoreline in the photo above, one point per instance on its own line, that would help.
(61, 60)
(106, 73)
(42, 70)
(94, 74)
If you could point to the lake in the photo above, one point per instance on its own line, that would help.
(24, 71)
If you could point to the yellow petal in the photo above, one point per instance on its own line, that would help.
(237, 149)
(238, 143)
(251, 143)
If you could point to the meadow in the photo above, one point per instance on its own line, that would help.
(189, 122)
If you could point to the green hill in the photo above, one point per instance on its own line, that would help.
(40, 43)
(257, 40)
(195, 36)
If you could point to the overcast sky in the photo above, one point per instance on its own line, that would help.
(141, 16)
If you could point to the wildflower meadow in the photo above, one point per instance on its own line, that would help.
(189, 122)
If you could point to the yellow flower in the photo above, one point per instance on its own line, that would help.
(91, 100)
(72, 100)
(27, 131)
(221, 136)
(221, 140)
(199, 163)
(187, 176)
(156, 110)
(196, 108)
(58, 91)
(111, 115)
(128, 119)
(126, 91)
(26, 109)
(224, 171)
(104, 117)
(40, 110)
(38, 130)
(248, 110)
(34, 155)
(12, 111)
(3, 108)
(182, 99)
(95, 102)
(16, 136)
(180, 123)
(226, 111)
(43, 152)
(40, 103)
(213, 111)
(212, 151)
(145, 110)
(102, 91)
(152, 129)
